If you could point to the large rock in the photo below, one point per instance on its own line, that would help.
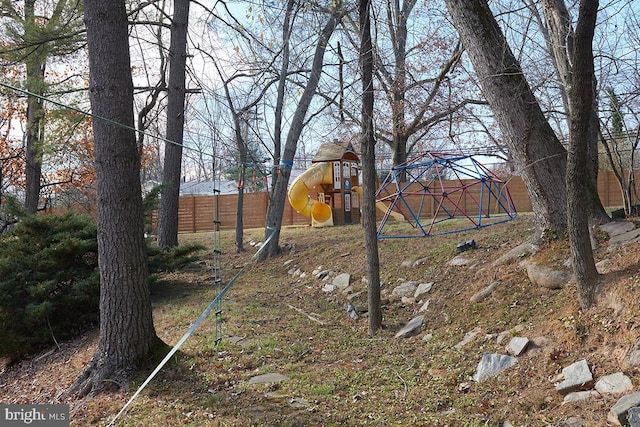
(406, 289)
(614, 383)
(517, 345)
(422, 290)
(268, 378)
(526, 248)
(468, 337)
(618, 415)
(579, 396)
(485, 292)
(633, 417)
(625, 237)
(546, 277)
(459, 261)
(614, 228)
(577, 377)
(342, 281)
(491, 365)
(414, 327)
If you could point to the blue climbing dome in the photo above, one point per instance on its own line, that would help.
(422, 196)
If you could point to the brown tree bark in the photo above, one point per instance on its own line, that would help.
(168, 209)
(35, 66)
(560, 37)
(581, 96)
(279, 191)
(368, 144)
(539, 156)
(127, 334)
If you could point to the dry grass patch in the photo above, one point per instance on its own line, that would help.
(338, 375)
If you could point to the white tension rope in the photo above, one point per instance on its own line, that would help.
(213, 303)
(191, 329)
(95, 116)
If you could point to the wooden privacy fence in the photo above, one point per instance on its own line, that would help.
(196, 213)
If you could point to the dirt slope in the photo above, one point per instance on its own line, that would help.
(337, 375)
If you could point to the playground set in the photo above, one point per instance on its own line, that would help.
(418, 198)
(327, 192)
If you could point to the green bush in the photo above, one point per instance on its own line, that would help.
(173, 259)
(49, 281)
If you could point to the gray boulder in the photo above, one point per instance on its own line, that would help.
(546, 277)
(406, 289)
(491, 365)
(517, 345)
(422, 290)
(614, 383)
(577, 377)
(414, 327)
(618, 415)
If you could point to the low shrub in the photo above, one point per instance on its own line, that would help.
(49, 281)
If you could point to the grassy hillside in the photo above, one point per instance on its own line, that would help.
(338, 375)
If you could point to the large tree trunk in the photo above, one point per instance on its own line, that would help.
(279, 191)
(168, 210)
(369, 169)
(581, 97)
(33, 161)
(35, 65)
(560, 39)
(127, 334)
(539, 156)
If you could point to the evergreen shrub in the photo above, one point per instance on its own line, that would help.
(49, 281)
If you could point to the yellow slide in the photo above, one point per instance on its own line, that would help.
(382, 206)
(319, 212)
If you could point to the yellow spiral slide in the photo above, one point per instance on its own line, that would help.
(319, 212)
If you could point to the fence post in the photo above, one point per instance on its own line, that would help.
(193, 214)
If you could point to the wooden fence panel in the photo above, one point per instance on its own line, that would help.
(196, 213)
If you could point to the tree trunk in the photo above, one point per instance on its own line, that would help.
(581, 95)
(279, 192)
(398, 17)
(35, 66)
(168, 209)
(539, 156)
(282, 81)
(560, 38)
(127, 334)
(33, 163)
(240, 202)
(369, 169)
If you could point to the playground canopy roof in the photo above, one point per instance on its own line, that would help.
(335, 151)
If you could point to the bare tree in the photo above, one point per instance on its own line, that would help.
(620, 142)
(537, 152)
(368, 143)
(559, 35)
(279, 191)
(127, 335)
(581, 95)
(168, 210)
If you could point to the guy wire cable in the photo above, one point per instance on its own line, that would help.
(95, 116)
(193, 327)
(214, 304)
